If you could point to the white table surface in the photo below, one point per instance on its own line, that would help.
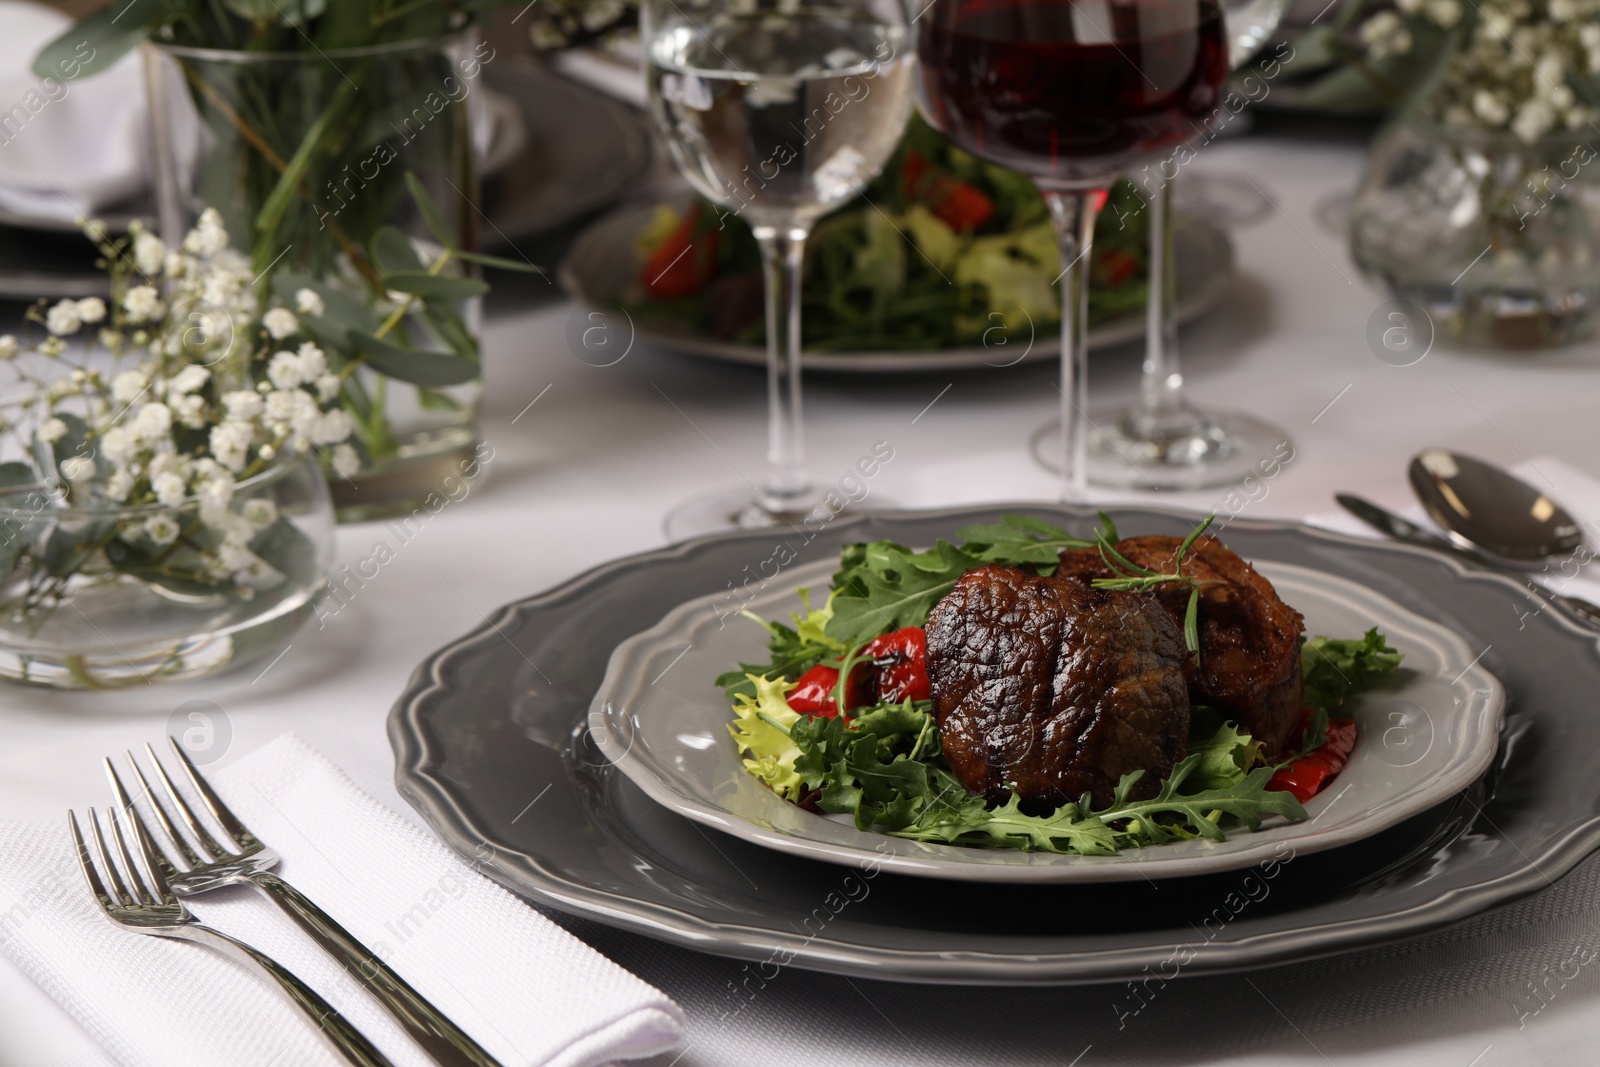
(585, 475)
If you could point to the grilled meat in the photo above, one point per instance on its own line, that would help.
(1249, 663)
(1054, 689)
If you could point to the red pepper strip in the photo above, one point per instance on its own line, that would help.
(685, 261)
(894, 669)
(1310, 774)
(958, 204)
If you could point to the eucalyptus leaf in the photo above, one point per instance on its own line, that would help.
(288, 550)
(99, 40)
(66, 549)
(435, 286)
(138, 563)
(414, 365)
(342, 312)
(500, 263)
(430, 210)
(17, 476)
(393, 251)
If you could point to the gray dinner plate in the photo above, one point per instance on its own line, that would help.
(602, 268)
(497, 720)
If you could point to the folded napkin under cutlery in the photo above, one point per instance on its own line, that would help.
(527, 991)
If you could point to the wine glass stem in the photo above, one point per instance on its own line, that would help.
(1073, 212)
(1161, 386)
(787, 487)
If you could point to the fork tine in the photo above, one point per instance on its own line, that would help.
(151, 870)
(181, 843)
(136, 879)
(113, 876)
(207, 843)
(90, 875)
(229, 821)
(155, 861)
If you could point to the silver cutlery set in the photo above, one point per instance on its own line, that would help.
(141, 878)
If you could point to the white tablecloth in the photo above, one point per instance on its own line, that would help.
(586, 473)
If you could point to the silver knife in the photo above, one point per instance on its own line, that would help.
(1401, 529)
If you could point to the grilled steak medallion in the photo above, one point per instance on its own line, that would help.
(1054, 689)
(1249, 639)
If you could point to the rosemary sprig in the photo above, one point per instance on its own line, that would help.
(1131, 577)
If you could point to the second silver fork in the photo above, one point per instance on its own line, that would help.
(208, 864)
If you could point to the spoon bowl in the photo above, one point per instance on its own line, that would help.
(1483, 507)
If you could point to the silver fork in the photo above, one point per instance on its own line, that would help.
(209, 864)
(145, 903)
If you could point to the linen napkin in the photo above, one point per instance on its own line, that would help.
(67, 148)
(1574, 490)
(526, 990)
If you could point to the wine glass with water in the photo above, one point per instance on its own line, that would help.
(777, 111)
(1071, 93)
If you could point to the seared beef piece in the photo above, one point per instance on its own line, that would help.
(1249, 639)
(1053, 689)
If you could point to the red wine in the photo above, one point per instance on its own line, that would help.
(1071, 91)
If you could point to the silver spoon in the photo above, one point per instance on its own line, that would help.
(1490, 510)
(1388, 523)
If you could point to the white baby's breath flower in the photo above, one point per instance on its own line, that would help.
(169, 489)
(161, 529)
(293, 407)
(120, 484)
(230, 443)
(333, 427)
(1444, 13)
(189, 409)
(52, 430)
(283, 370)
(1533, 120)
(328, 386)
(187, 380)
(309, 301)
(51, 347)
(64, 318)
(208, 236)
(244, 404)
(142, 303)
(1490, 108)
(91, 309)
(149, 253)
(260, 512)
(346, 461)
(153, 422)
(77, 468)
(119, 444)
(128, 386)
(280, 323)
(313, 364)
(8, 346)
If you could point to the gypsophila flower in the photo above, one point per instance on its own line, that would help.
(189, 409)
(161, 529)
(169, 489)
(187, 381)
(243, 405)
(77, 468)
(346, 461)
(149, 253)
(280, 323)
(328, 386)
(91, 309)
(153, 422)
(230, 443)
(128, 386)
(283, 370)
(331, 428)
(9, 347)
(208, 237)
(120, 484)
(260, 512)
(64, 318)
(313, 363)
(309, 302)
(52, 430)
(142, 304)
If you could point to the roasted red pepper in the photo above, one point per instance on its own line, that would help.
(954, 202)
(1308, 775)
(686, 259)
(893, 668)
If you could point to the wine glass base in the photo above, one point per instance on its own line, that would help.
(1222, 450)
(736, 508)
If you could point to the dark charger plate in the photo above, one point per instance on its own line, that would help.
(496, 720)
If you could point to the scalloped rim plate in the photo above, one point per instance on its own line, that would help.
(660, 720)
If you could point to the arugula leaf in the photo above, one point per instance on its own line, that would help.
(1020, 539)
(883, 586)
(1336, 670)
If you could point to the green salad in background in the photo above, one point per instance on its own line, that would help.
(941, 249)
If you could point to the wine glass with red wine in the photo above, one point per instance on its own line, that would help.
(1071, 93)
(1161, 440)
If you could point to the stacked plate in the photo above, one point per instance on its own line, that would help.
(1469, 785)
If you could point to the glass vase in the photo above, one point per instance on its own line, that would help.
(333, 170)
(1496, 239)
(102, 597)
